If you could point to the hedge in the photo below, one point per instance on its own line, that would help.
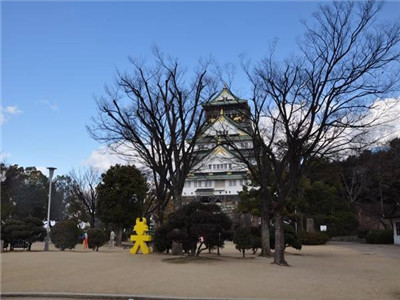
(313, 238)
(379, 237)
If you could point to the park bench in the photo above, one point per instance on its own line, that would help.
(20, 244)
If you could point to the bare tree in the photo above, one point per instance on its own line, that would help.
(83, 191)
(255, 158)
(155, 112)
(316, 104)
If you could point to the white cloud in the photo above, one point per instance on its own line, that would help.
(6, 112)
(382, 125)
(103, 158)
(12, 110)
(49, 104)
(4, 156)
(386, 114)
(44, 170)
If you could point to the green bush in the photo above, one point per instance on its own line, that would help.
(379, 237)
(313, 238)
(160, 241)
(27, 231)
(176, 235)
(290, 236)
(96, 238)
(256, 238)
(191, 222)
(339, 224)
(243, 239)
(362, 233)
(65, 234)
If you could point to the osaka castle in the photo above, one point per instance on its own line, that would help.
(218, 176)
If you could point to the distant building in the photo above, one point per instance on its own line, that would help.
(218, 176)
(395, 221)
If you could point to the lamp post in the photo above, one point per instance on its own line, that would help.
(46, 241)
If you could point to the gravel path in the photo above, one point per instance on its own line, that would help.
(333, 271)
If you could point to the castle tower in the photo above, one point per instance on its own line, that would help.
(218, 177)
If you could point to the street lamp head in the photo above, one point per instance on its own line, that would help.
(51, 171)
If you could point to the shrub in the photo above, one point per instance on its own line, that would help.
(160, 241)
(313, 238)
(96, 238)
(291, 237)
(27, 231)
(256, 238)
(379, 237)
(191, 222)
(339, 224)
(362, 233)
(176, 235)
(65, 235)
(242, 239)
(345, 223)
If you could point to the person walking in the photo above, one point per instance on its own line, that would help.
(112, 239)
(86, 241)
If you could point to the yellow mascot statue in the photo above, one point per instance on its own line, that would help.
(141, 237)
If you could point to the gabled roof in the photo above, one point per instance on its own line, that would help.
(215, 153)
(225, 97)
(230, 123)
(220, 149)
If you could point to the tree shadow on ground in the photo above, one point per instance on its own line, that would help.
(190, 259)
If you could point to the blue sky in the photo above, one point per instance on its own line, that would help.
(57, 55)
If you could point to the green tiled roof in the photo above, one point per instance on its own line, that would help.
(229, 121)
(225, 101)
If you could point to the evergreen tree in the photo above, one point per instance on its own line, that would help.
(121, 195)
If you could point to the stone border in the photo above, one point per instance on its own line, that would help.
(111, 296)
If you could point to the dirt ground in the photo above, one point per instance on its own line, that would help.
(333, 271)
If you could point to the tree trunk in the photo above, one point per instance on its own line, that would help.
(177, 201)
(243, 253)
(199, 249)
(160, 217)
(279, 256)
(265, 239)
(92, 220)
(176, 248)
(118, 242)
